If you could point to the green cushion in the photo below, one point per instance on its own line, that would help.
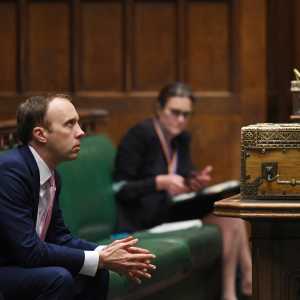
(204, 243)
(86, 197)
(172, 261)
(88, 203)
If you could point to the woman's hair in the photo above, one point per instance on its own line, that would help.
(176, 89)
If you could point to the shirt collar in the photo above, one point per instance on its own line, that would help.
(45, 172)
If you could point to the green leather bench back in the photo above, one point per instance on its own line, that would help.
(89, 178)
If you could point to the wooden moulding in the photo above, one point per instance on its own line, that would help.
(90, 120)
(257, 209)
(295, 118)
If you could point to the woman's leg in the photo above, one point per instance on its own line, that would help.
(233, 234)
(245, 262)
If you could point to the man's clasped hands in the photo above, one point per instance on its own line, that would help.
(123, 257)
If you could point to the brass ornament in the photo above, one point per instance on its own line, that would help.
(279, 136)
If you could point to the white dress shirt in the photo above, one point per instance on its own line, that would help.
(91, 258)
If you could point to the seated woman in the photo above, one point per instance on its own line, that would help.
(153, 165)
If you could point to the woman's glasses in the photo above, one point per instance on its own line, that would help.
(177, 113)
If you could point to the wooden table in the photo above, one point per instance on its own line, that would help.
(275, 236)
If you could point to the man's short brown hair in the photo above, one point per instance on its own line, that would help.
(32, 112)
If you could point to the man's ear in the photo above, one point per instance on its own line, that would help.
(39, 134)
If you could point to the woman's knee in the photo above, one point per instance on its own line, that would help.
(231, 238)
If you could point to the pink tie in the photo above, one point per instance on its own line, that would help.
(47, 216)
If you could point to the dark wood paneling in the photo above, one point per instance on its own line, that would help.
(208, 47)
(252, 80)
(8, 48)
(117, 54)
(208, 55)
(216, 142)
(296, 33)
(154, 44)
(215, 127)
(48, 46)
(280, 57)
(101, 58)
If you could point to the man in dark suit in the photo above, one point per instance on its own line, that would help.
(39, 258)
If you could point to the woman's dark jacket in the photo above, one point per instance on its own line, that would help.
(139, 160)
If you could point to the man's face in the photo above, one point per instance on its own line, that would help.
(63, 132)
(175, 115)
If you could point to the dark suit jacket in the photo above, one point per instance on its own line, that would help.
(139, 160)
(19, 198)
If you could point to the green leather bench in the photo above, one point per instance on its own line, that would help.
(188, 261)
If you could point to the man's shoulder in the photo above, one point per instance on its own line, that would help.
(14, 158)
(10, 156)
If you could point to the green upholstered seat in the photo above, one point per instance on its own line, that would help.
(203, 243)
(172, 261)
(188, 261)
(86, 196)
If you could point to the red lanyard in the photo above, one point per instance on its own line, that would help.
(170, 157)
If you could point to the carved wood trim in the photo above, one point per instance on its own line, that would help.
(257, 209)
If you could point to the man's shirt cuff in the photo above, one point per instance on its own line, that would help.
(91, 262)
(90, 265)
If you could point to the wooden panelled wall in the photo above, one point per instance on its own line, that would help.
(116, 55)
(283, 54)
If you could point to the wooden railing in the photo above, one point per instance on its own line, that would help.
(90, 121)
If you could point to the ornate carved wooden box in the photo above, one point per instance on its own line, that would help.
(270, 161)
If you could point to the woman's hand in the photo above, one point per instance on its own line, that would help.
(172, 183)
(199, 180)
